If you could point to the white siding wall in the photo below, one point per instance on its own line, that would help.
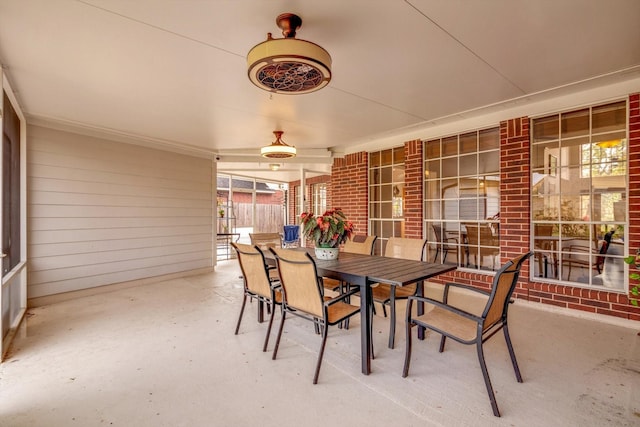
(103, 212)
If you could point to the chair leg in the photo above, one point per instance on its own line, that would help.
(266, 338)
(275, 349)
(244, 302)
(487, 381)
(392, 323)
(442, 340)
(325, 329)
(516, 369)
(407, 354)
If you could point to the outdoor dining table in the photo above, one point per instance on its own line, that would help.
(365, 270)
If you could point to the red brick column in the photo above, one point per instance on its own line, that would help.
(349, 189)
(413, 183)
(634, 195)
(515, 190)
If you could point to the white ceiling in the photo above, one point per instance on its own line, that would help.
(174, 72)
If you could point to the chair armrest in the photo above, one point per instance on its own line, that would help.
(444, 306)
(340, 297)
(461, 286)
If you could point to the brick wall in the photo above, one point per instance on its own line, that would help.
(413, 183)
(634, 193)
(349, 189)
(293, 196)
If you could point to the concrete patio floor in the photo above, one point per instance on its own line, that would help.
(164, 354)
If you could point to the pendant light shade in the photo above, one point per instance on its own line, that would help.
(289, 65)
(278, 149)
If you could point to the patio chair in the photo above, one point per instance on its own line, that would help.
(291, 237)
(264, 241)
(357, 245)
(443, 242)
(468, 328)
(257, 283)
(543, 246)
(385, 294)
(580, 254)
(481, 242)
(303, 296)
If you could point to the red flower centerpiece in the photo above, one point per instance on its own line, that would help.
(327, 231)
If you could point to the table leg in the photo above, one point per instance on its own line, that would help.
(366, 302)
(420, 308)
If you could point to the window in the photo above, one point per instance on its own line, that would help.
(10, 187)
(462, 199)
(386, 195)
(579, 191)
(319, 198)
(299, 205)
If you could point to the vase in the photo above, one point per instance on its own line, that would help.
(327, 253)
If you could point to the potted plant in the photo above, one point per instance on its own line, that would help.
(327, 231)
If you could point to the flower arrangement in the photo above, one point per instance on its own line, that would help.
(634, 262)
(328, 230)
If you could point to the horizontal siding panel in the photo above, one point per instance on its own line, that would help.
(50, 288)
(61, 142)
(76, 260)
(78, 248)
(64, 223)
(79, 199)
(102, 212)
(136, 166)
(62, 211)
(58, 236)
(109, 189)
(93, 176)
(60, 274)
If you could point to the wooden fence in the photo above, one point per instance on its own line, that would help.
(269, 218)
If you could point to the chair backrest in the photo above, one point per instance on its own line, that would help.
(479, 233)
(266, 240)
(365, 247)
(301, 288)
(254, 270)
(543, 229)
(437, 231)
(291, 233)
(504, 283)
(407, 248)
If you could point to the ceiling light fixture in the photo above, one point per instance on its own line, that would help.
(289, 65)
(278, 149)
(274, 166)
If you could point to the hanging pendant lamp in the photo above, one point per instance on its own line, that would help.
(278, 149)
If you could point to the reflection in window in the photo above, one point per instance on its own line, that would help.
(462, 199)
(386, 195)
(579, 170)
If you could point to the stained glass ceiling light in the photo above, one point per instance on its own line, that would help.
(278, 149)
(289, 65)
